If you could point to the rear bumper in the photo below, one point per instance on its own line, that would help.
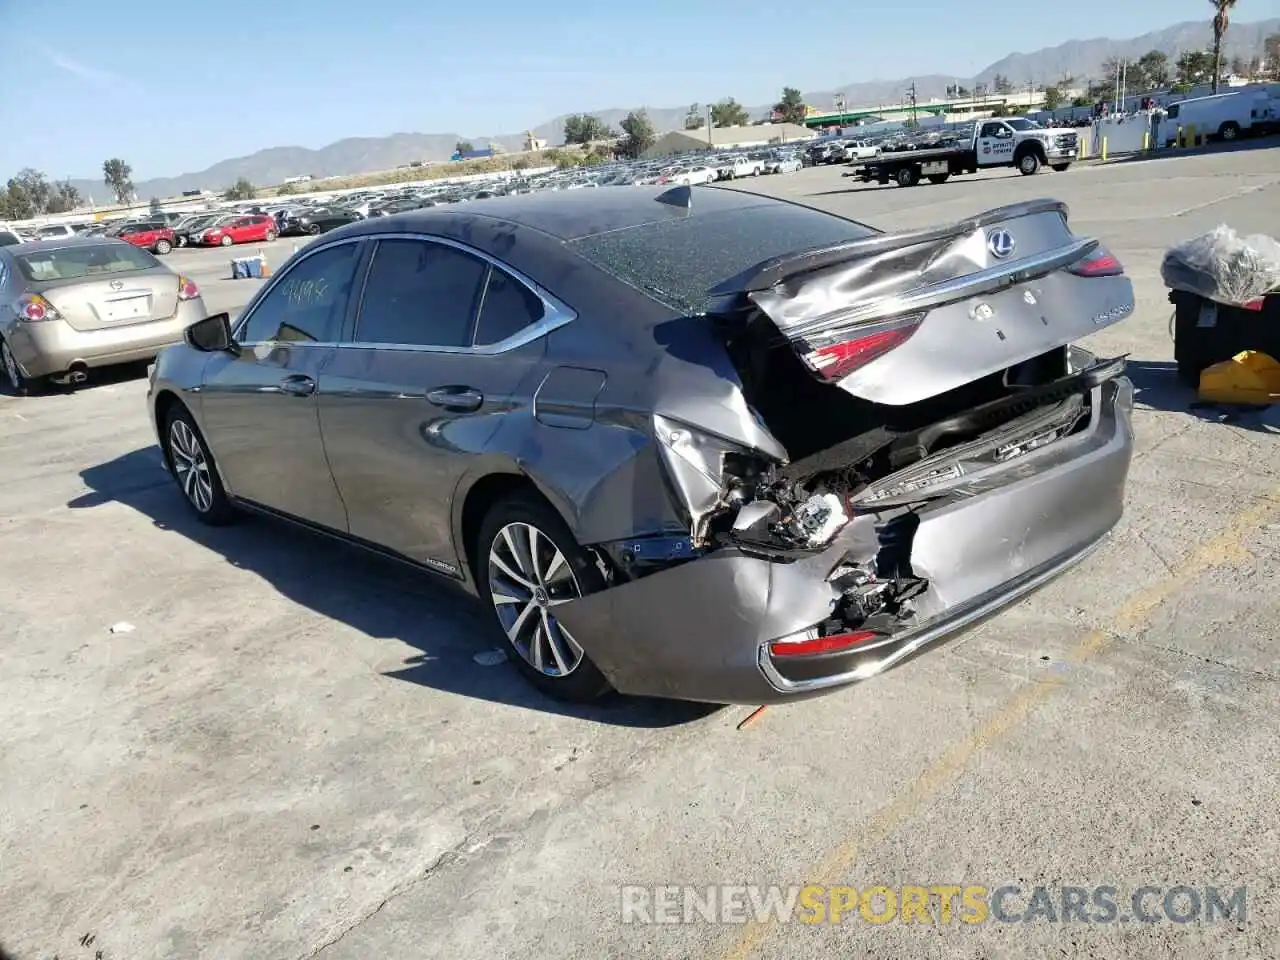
(700, 631)
(52, 348)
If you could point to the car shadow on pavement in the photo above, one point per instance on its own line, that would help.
(375, 596)
(857, 186)
(98, 377)
(1157, 387)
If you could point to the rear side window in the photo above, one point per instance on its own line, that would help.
(8, 239)
(508, 307)
(420, 293)
(679, 260)
(71, 263)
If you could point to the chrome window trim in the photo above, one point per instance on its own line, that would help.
(555, 314)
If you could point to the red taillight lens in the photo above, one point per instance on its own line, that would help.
(816, 645)
(1101, 263)
(835, 360)
(187, 290)
(1255, 305)
(34, 308)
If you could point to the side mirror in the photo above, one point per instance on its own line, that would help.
(212, 335)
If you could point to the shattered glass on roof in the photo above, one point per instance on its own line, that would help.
(678, 260)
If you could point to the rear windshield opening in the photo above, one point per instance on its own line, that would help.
(678, 261)
(71, 263)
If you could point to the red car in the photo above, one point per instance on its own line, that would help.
(247, 229)
(156, 237)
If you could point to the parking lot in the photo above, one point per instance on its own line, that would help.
(287, 750)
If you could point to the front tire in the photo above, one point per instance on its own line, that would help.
(908, 177)
(1229, 131)
(528, 563)
(1029, 164)
(313, 229)
(195, 470)
(271, 235)
(226, 241)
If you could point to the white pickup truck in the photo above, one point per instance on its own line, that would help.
(856, 150)
(1008, 142)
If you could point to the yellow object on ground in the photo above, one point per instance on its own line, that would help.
(1248, 377)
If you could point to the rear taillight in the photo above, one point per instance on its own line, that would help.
(814, 646)
(836, 359)
(34, 308)
(1100, 263)
(1255, 305)
(187, 290)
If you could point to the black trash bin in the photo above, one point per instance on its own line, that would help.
(1205, 333)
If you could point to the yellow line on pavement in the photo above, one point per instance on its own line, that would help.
(1219, 551)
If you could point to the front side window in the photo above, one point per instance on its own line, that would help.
(308, 303)
(420, 293)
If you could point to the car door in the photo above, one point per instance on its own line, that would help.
(443, 343)
(259, 408)
(995, 144)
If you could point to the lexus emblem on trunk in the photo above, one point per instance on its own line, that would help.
(1000, 243)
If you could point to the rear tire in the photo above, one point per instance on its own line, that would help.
(19, 383)
(908, 177)
(271, 235)
(1229, 131)
(542, 650)
(1060, 167)
(1029, 164)
(194, 469)
(163, 247)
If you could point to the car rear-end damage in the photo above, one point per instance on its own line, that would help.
(913, 441)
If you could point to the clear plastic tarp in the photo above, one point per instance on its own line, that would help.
(1224, 267)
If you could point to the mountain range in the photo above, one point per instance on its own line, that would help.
(1075, 58)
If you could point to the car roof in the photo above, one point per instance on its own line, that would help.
(568, 214)
(61, 243)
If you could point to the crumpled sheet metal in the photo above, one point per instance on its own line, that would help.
(1223, 266)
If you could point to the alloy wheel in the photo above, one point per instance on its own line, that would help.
(191, 465)
(10, 366)
(528, 577)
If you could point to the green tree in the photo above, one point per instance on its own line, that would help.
(242, 189)
(1194, 67)
(1271, 52)
(463, 146)
(286, 190)
(791, 108)
(1052, 98)
(584, 128)
(693, 118)
(29, 192)
(1081, 102)
(116, 174)
(155, 207)
(1221, 20)
(1154, 66)
(728, 113)
(65, 198)
(639, 134)
(1001, 84)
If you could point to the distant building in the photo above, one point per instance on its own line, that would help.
(533, 144)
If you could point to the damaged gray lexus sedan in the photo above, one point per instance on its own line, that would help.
(689, 443)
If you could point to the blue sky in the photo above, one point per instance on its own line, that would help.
(173, 86)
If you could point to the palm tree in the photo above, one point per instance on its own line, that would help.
(1221, 20)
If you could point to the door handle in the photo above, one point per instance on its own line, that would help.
(461, 399)
(298, 385)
